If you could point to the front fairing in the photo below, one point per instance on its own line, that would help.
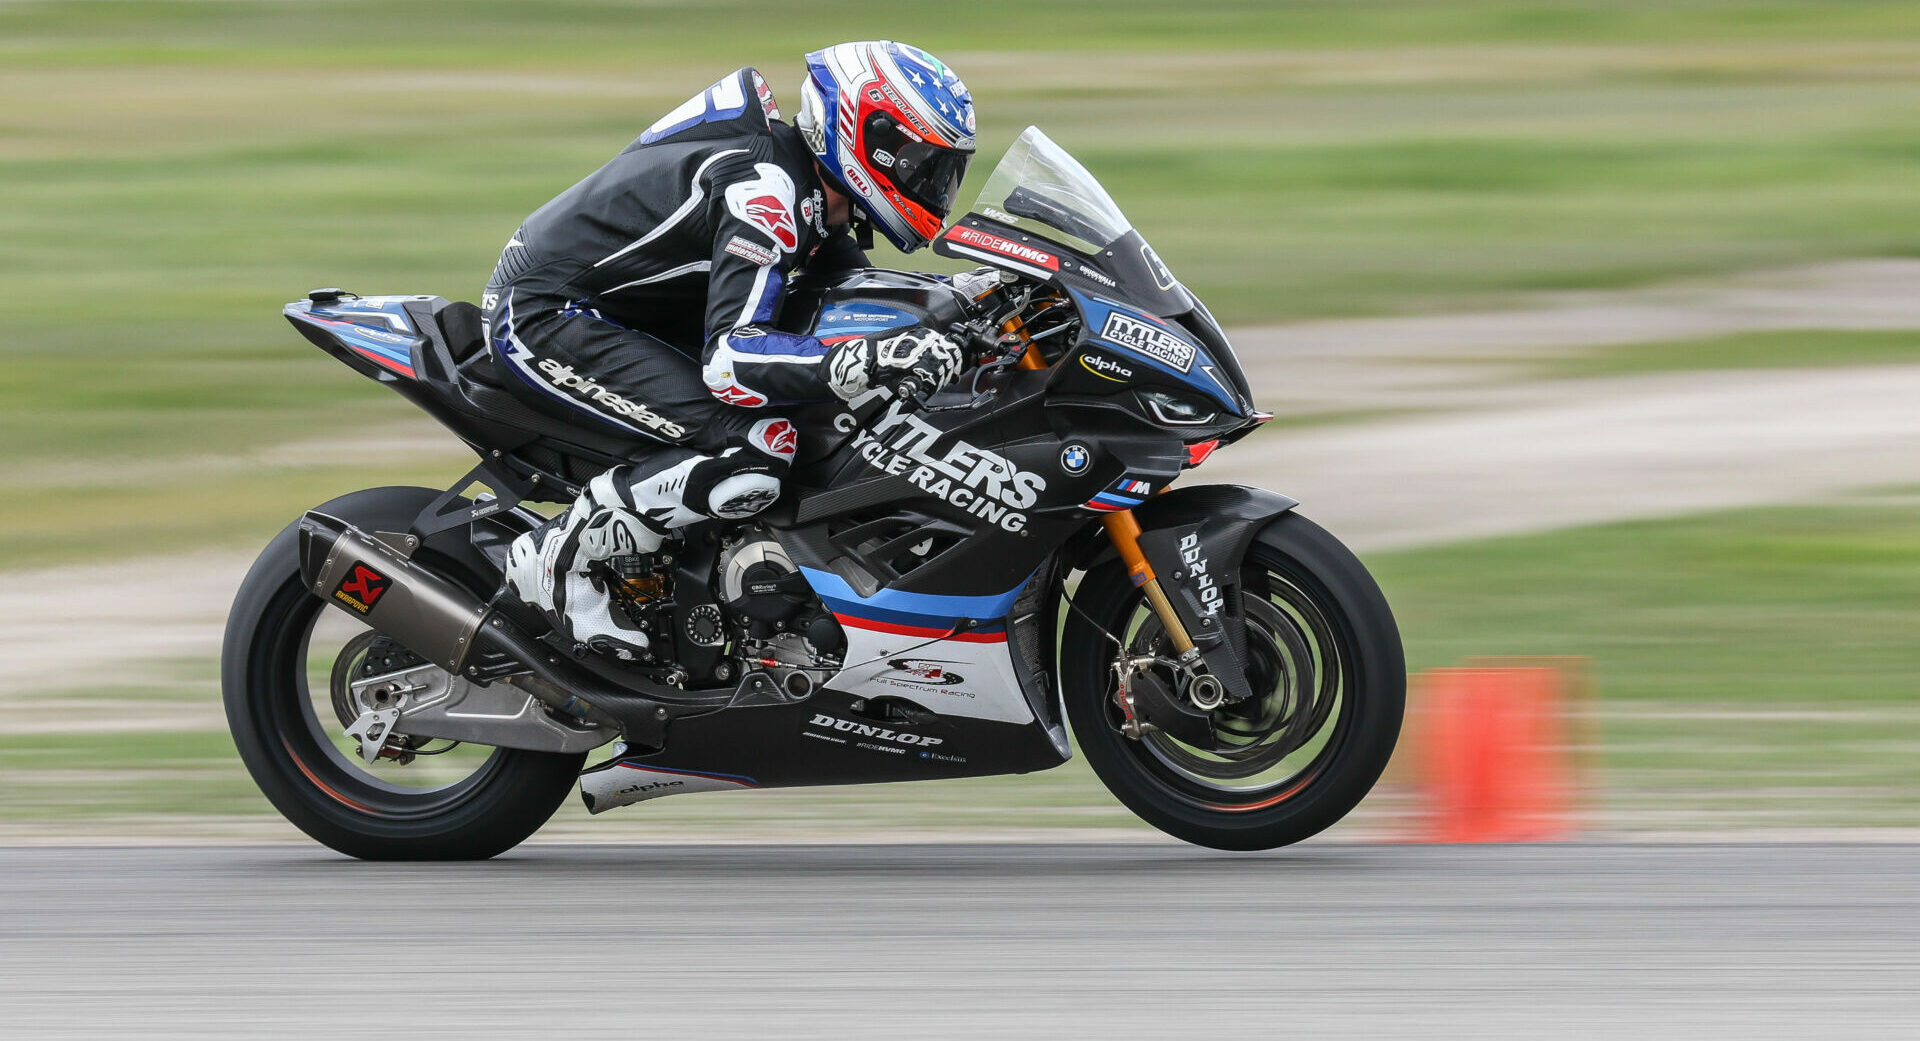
(1043, 216)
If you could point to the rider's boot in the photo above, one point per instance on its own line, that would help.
(548, 569)
(628, 511)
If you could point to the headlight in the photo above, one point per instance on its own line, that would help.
(1175, 410)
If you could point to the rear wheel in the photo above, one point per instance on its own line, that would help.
(286, 663)
(1324, 660)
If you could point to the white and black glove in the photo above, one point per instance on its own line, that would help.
(922, 357)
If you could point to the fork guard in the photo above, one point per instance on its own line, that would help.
(1196, 538)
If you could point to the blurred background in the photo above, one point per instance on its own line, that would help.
(1593, 326)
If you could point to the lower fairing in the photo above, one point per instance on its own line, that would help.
(832, 737)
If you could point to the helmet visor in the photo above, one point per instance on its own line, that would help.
(927, 174)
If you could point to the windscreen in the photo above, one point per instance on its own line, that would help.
(1038, 184)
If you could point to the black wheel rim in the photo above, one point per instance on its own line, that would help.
(1300, 664)
(316, 748)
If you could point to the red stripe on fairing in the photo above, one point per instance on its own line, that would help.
(404, 370)
(871, 625)
(376, 356)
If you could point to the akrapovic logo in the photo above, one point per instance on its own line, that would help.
(1197, 564)
(1150, 340)
(848, 726)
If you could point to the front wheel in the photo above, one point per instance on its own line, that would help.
(1329, 688)
(286, 656)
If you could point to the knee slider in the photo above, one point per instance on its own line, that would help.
(734, 485)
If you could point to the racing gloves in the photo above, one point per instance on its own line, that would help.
(921, 356)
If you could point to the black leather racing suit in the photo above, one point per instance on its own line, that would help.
(641, 299)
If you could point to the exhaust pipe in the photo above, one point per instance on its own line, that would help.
(371, 579)
(368, 577)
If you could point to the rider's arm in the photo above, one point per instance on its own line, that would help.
(756, 230)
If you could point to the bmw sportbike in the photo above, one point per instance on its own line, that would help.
(950, 585)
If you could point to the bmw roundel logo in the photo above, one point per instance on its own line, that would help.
(1074, 458)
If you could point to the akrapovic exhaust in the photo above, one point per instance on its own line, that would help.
(363, 576)
(441, 622)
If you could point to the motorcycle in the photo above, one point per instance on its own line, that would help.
(949, 584)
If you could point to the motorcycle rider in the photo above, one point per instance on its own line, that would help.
(643, 299)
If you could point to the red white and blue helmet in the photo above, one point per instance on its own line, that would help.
(893, 127)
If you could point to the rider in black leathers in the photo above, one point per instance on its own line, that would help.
(642, 300)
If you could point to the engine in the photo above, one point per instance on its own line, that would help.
(777, 624)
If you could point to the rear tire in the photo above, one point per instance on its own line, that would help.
(1334, 667)
(263, 674)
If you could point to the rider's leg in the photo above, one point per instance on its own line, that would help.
(719, 461)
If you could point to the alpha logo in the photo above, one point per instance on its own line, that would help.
(564, 377)
(922, 671)
(1190, 555)
(1150, 340)
(981, 482)
(766, 202)
(1105, 367)
(848, 726)
(1004, 247)
(752, 252)
(649, 786)
(362, 588)
(1074, 458)
(776, 437)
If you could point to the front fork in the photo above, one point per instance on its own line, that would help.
(1124, 530)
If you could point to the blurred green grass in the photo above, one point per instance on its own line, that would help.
(1784, 349)
(176, 171)
(1757, 668)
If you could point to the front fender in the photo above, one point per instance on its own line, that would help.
(1196, 538)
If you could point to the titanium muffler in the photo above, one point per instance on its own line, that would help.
(371, 578)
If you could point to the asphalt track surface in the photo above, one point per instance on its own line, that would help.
(994, 941)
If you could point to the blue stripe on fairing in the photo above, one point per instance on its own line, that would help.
(902, 607)
(1114, 499)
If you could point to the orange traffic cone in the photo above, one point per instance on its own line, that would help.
(1495, 754)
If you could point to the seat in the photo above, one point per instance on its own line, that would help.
(461, 326)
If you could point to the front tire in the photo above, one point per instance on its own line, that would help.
(1329, 681)
(293, 750)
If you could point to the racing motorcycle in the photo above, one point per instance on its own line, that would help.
(950, 584)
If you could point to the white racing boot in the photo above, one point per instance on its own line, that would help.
(624, 514)
(547, 568)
